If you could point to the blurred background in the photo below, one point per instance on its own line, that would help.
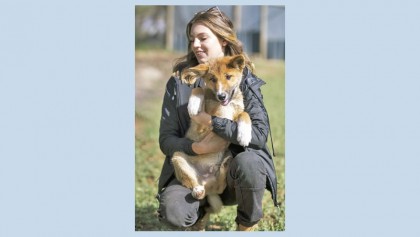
(260, 28)
(160, 39)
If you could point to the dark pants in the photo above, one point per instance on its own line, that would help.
(245, 186)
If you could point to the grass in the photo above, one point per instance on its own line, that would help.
(149, 158)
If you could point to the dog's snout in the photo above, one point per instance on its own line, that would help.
(221, 97)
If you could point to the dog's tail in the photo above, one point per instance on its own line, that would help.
(215, 202)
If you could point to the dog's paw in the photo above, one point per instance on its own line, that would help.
(244, 133)
(198, 192)
(194, 104)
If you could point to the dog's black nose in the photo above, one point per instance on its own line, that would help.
(221, 97)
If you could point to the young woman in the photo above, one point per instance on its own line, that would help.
(211, 34)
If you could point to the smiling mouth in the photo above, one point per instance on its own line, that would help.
(224, 103)
(200, 53)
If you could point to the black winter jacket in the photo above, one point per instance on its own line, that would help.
(175, 122)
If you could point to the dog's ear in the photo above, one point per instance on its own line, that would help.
(237, 62)
(190, 75)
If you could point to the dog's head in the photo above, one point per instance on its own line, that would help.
(222, 76)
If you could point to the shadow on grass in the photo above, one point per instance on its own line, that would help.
(147, 219)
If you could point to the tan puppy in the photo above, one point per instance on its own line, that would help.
(221, 97)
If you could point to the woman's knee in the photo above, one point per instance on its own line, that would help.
(247, 168)
(177, 207)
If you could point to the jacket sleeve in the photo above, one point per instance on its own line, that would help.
(228, 129)
(170, 133)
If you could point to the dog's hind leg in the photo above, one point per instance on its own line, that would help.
(220, 183)
(187, 175)
(183, 170)
(215, 202)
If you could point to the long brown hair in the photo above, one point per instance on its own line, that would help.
(223, 28)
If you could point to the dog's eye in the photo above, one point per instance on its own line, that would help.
(213, 79)
(228, 76)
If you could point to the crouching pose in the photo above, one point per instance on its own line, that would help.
(250, 170)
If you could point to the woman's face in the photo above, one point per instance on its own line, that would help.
(205, 44)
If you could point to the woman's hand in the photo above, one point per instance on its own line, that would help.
(202, 118)
(211, 143)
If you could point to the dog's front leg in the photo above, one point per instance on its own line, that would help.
(244, 129)
(196, 101)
